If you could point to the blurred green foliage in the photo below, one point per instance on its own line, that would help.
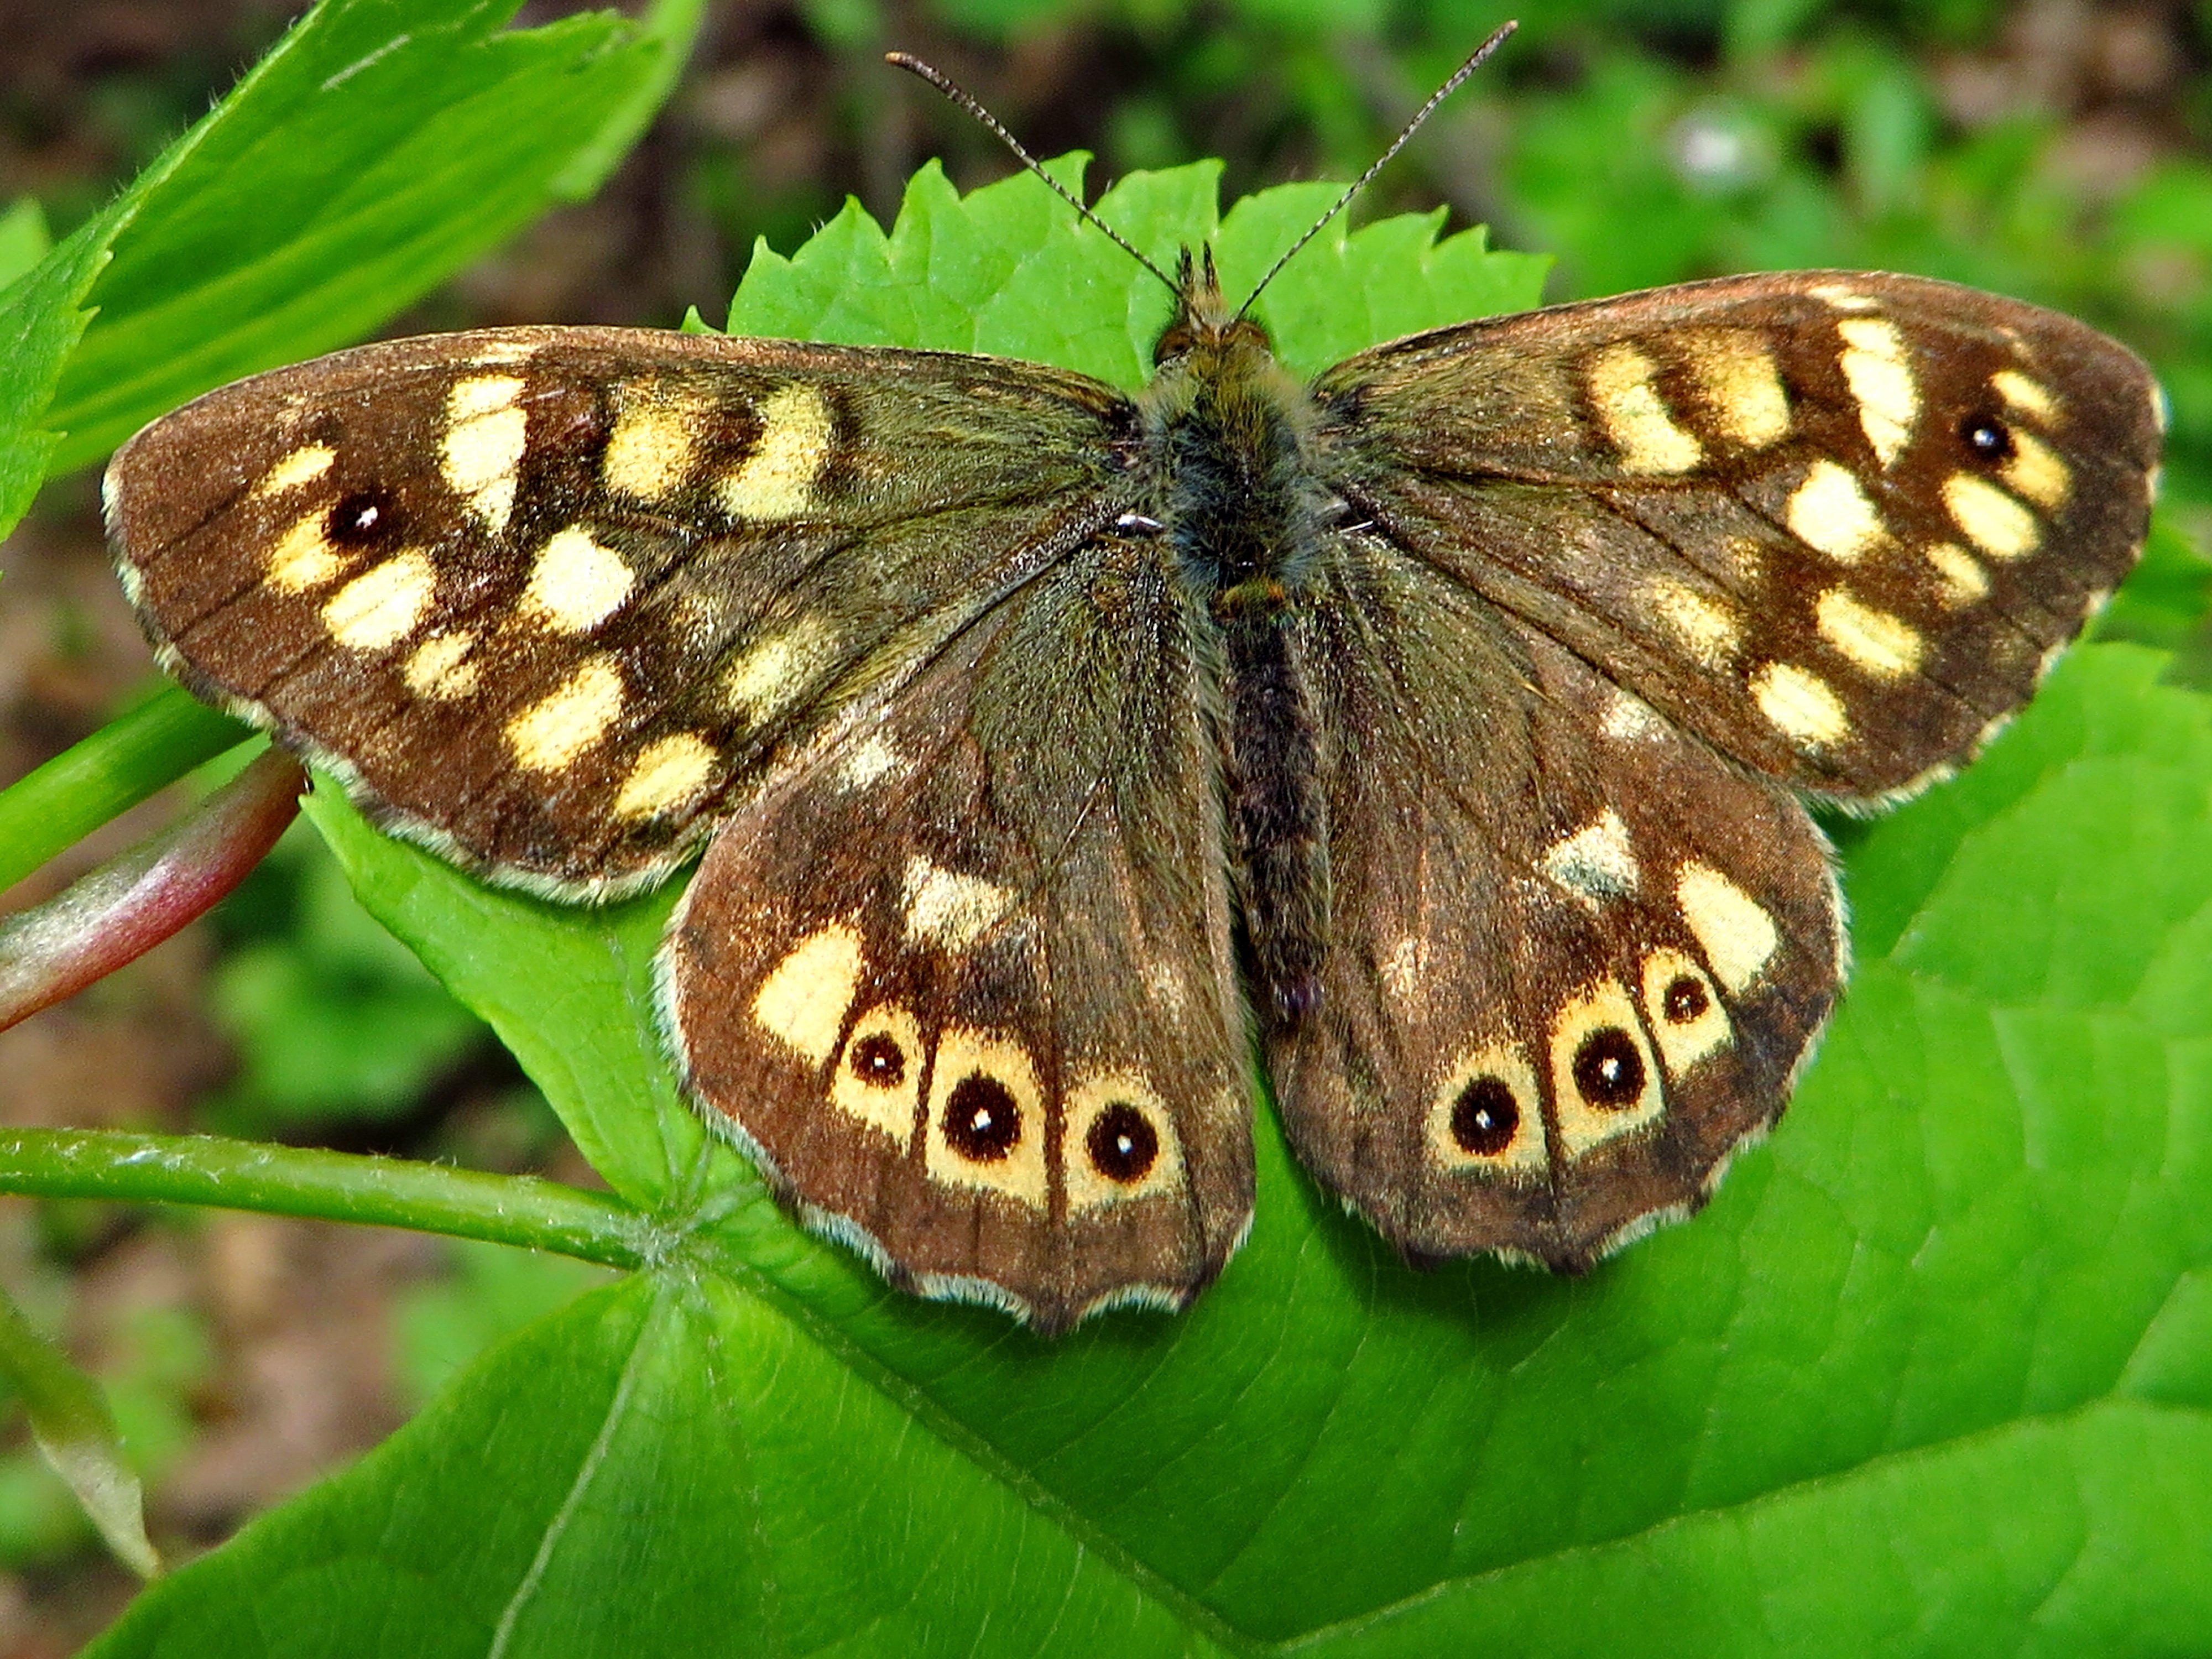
(334, 1020)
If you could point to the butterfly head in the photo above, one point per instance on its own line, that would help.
(1205, 325)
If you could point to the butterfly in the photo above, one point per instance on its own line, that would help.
(1444, 726)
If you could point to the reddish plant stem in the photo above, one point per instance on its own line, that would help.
(131, 903)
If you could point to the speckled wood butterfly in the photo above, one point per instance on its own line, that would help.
(1449, 721)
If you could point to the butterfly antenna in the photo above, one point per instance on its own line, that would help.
(944, 83)
(1475, 61)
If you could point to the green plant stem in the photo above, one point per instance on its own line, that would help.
(111, 771)
(251, 1175)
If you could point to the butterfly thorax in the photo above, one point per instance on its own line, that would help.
(1226, 437)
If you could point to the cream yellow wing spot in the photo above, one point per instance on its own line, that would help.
(561, 726)
(1402, 966)
(669, 773)
(1871, 641)
(777, 480)
(302, 466)
(477, 395)
(654, 446)
(1735, 932)
(2026, 394)
(775, 672)
(1875, 366)
(1596, 864)
(441, 668)
(1746, 558)
(306, 558)
(987, 1121)
(949, 909)
(1841, 296)
(1682, 1009)
(1737, 381)
(1120, 1144)
(1605, 1080)
(1635, 419)
(878, 1079)
(383, 604)
(869, 762)
(2037, 471)
(1963, 579)
(1487, 1114)
(1832, 512)
(576, 583)
(1992, 520)
(1165, 984)
(1702, 624)
(485, 433)
(802, 1002)
(1629, 719)
(499, 354)
(1800, 705)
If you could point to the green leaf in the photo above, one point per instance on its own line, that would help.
(75, 1433)
(1929, 1375)
(23, 239)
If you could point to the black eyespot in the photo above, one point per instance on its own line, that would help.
(1986, 438)
(981, 1120)
(1485, 1118)
(1609, 1069)
(1123, 1144)
(365, 518)
(878, 1061)
(1685, 999)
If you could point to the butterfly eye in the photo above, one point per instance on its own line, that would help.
(1986, 437)
(981, 1120)
(1609, 1068)
(1485, 1119)
(365, 518)
(1686, 1000)
(878, 1061)
(1122, 1143)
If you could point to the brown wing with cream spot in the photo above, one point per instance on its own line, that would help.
(546, 598)
(1575, 959)
(958, 976)
(1836, 524)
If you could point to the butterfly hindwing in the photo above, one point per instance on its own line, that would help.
(960, 976)
(1833, 523)
(546, 598)
(1575, 956)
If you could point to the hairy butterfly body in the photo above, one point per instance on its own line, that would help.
(1447, 722)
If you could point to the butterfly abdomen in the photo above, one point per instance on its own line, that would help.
(1229, 433)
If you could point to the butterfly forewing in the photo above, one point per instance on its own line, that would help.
(960, 975)
(548, 599)
(1833, 523)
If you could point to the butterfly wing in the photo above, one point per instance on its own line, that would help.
(546, 599)
(1575, 956)
(1619, 578)
(1835, 524)
(555, 602)
(958, 975)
